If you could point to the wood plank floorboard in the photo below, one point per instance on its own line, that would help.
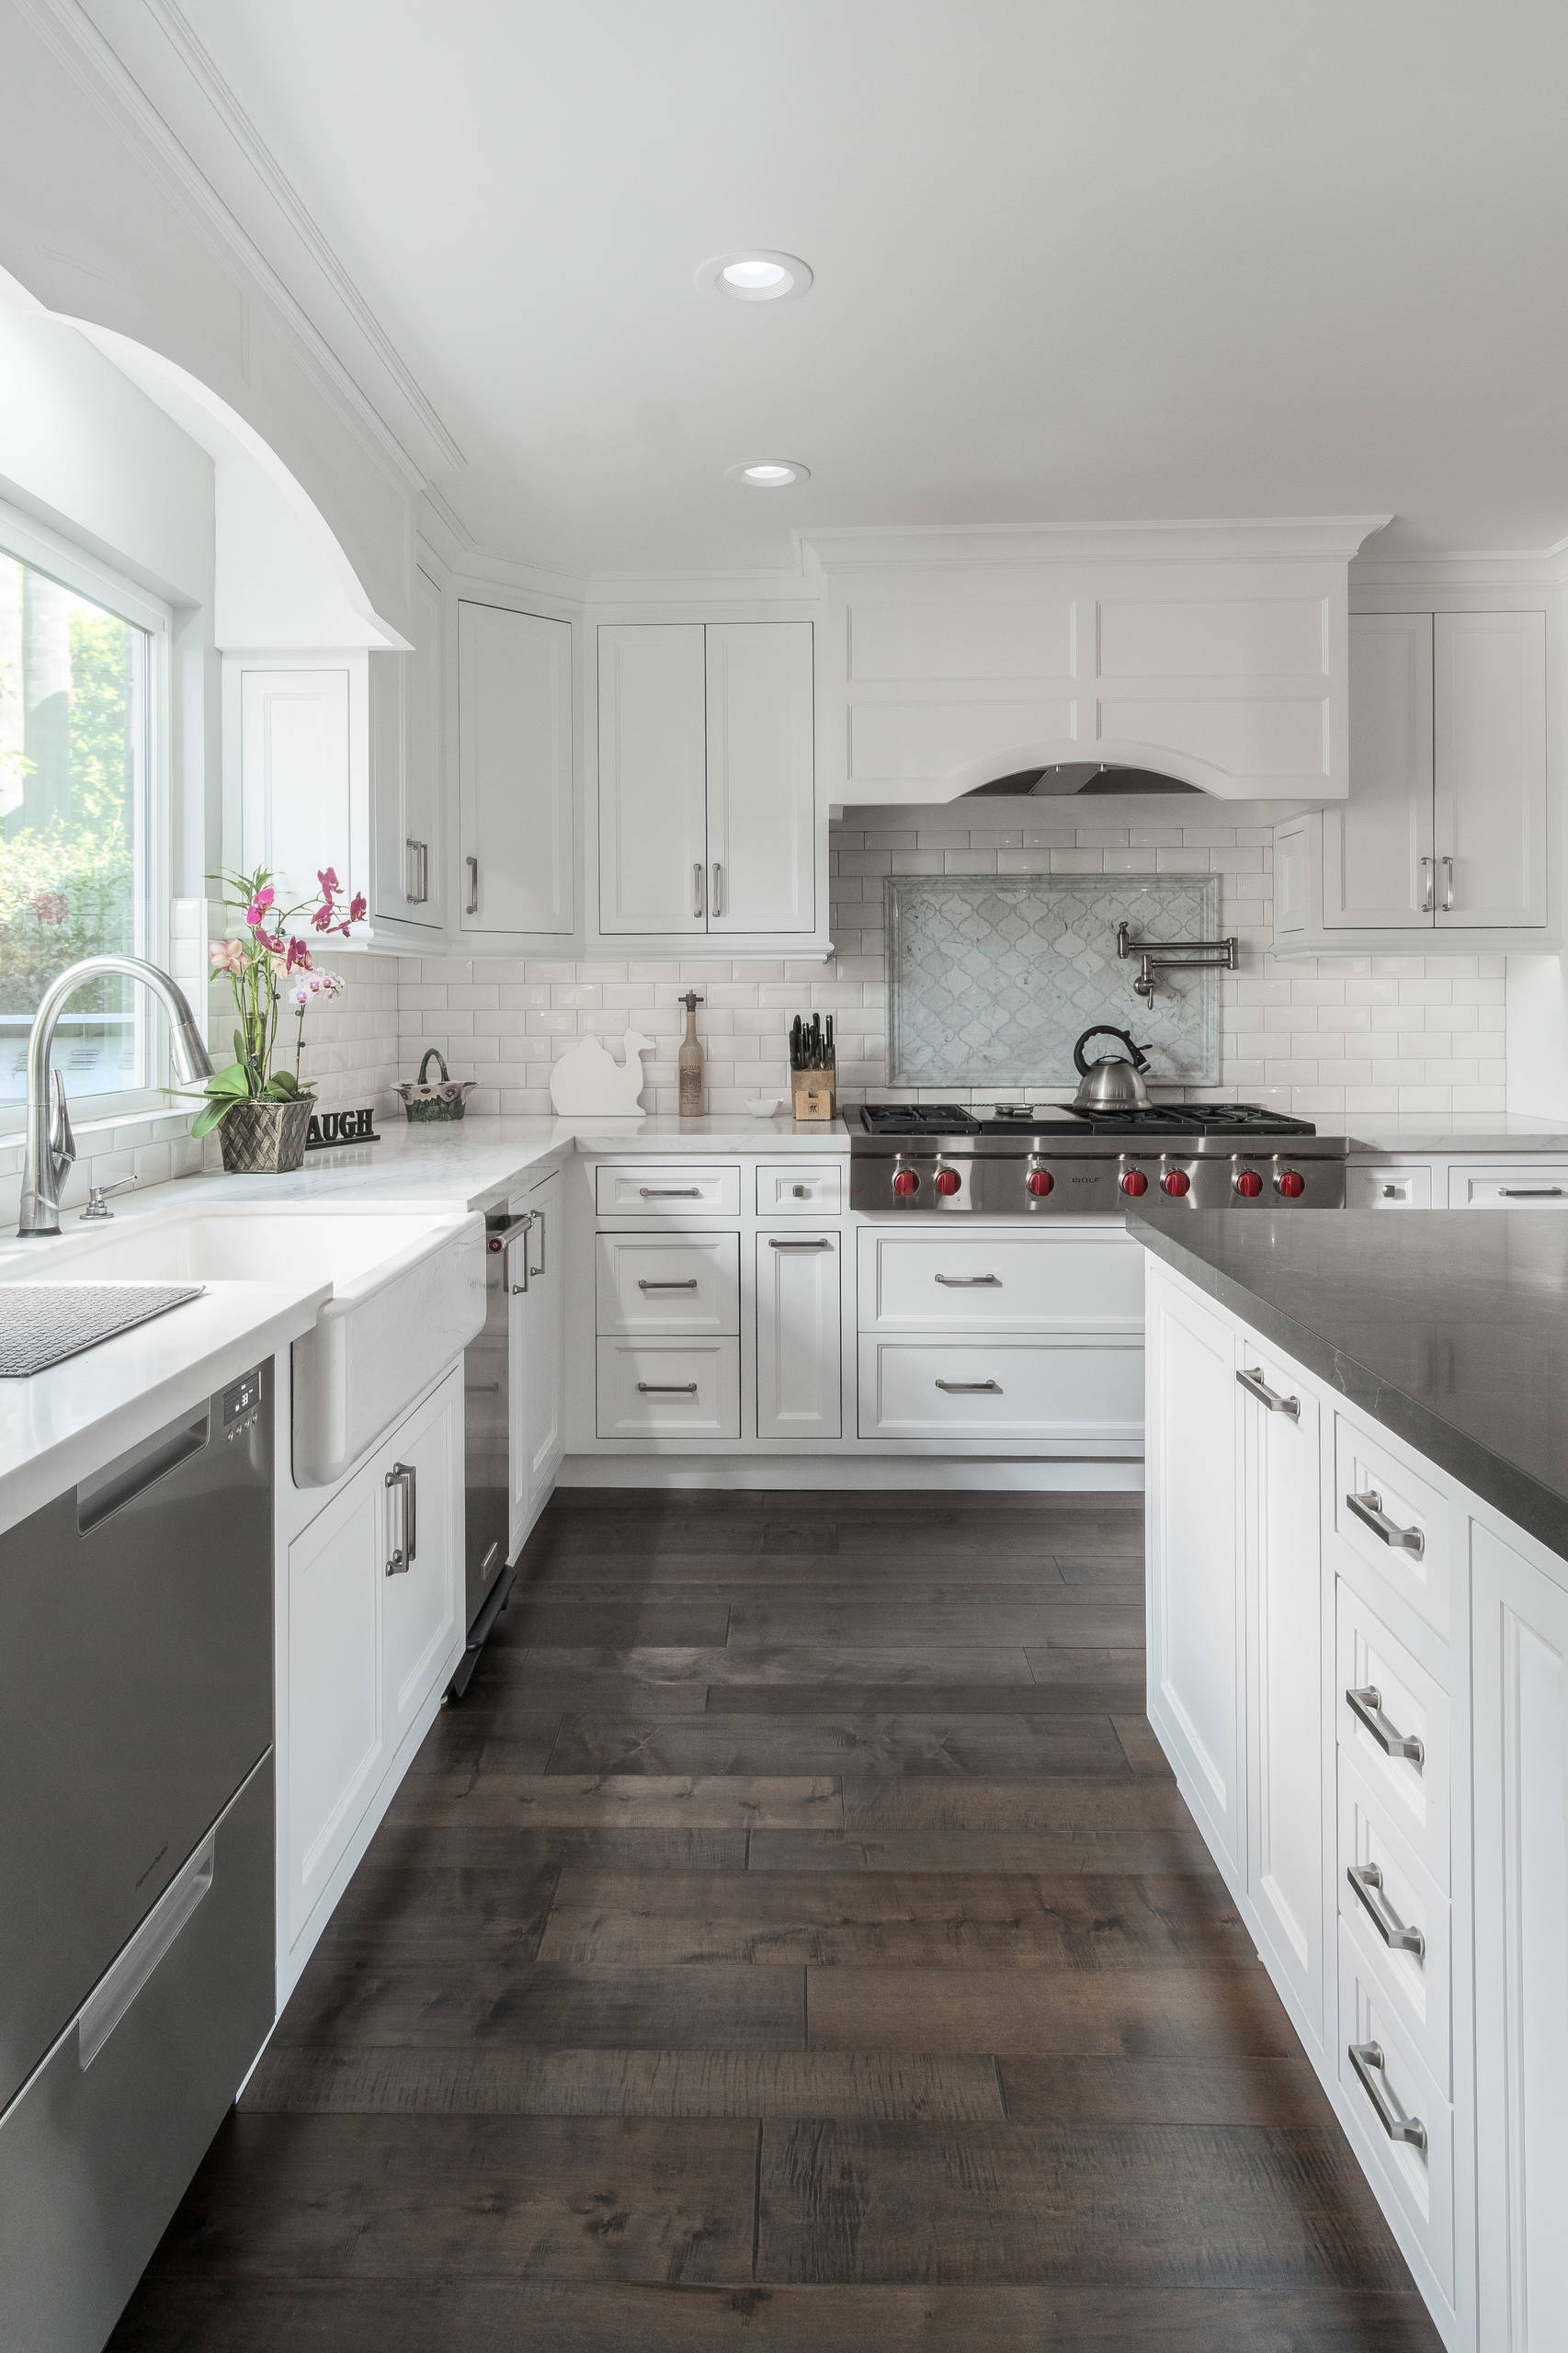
(795, 1942)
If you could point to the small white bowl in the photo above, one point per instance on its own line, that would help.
(764, 1106)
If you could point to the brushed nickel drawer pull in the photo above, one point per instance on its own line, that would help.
(1367, 2058)
(774, 1244)
(1367, 1706)
(1369, 1510)
(684, 1282)
(669, 1192)
(970, 1282)
(1255, 1386)
(1529, 1192)
(666, 1389)
(1367, 1878)
(970, 1388)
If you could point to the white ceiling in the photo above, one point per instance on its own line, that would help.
(1075, 259)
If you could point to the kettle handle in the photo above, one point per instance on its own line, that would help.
(1103, 1029)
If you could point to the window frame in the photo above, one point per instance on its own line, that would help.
(77, 568)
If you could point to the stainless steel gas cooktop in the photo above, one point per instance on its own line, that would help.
(1044, 1160)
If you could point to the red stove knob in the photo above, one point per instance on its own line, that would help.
(947, 1180)
(1134, 1182)
(1176, 1182)
(1291, 1183)
(906, 1181)
(1249, 1184)
(1040, 1181)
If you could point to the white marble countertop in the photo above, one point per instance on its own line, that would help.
(1511, 1132)
(60, 1425)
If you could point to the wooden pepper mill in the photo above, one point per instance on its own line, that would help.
(690, 1061)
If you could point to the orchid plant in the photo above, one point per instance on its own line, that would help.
(272, 973)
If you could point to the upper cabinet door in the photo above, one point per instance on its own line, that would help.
(653, 778)
(1377, 847)
(515, 770)
(1489, 769)
(301, 759)
(761, 777)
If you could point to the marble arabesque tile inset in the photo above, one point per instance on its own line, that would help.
(994, 977)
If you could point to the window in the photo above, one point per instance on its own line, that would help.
(83, 664)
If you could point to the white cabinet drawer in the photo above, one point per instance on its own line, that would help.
(1020, 1283)
(1392, 2088)
(1401, 1919)
(1396, 1704)
(1520, 1184)
(1392, 1521)
(800, 1188)
(1394, 1188)
(656, 1283)
(689, 1389)
(666, 1188)
(1081, 1390)
(799, 1325)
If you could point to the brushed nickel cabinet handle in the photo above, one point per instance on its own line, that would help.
(1428, 886)
(669, 1192)
(401, 1561)
(971, 1388)
(520, 1233)
(1369, 1510)
(1367, 2058)
(1529, 1192)
(696, 889)
(1447, 886)
(1365, 1705)
(537, 1219)
(718, 887)
(472, 907)
(666, 1389)
(1367, 1878)
(687, 1282)
(1255, 1386)
(968, 1283)
(775, 1245)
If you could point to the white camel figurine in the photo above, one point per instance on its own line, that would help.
(588, 1083)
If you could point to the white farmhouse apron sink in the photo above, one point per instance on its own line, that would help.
(408, 1295)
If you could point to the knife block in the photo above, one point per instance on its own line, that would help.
(812, 1093)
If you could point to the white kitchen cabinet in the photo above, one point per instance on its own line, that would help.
(515, 770)
(421, 1552)
(407, 801)
(1284, 1674)
(706, 799)
(1446, 830)
(296, 756)
(1520, 1764)
(1194, 1451)
(536, 1341)
(656, 1283)
(1539, 1184)
(1377, 847)
(761, 777)
(798, 1327)
(1489, 770)
(1397, 1185)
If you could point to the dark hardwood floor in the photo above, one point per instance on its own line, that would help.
(794, 1940)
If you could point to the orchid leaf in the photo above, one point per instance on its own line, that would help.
(209, 1116)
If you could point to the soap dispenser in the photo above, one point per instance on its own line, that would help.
(691, 1061)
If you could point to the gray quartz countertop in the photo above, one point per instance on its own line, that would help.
(1514, 1132)
(1452, 1331)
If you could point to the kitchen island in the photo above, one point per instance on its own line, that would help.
(1357, 1475)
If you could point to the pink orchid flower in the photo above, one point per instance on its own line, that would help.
(297, 955)
(357, 907)
(257, 911)
(327, 877)
(226, 956)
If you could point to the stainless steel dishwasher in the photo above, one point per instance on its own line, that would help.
(136, 1853)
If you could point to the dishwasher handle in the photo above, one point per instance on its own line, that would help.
(111, 1489)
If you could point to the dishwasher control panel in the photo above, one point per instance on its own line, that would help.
(241, 1405)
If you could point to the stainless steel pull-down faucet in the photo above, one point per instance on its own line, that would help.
(51, 1147)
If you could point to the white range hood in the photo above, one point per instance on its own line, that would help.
(1213, 653)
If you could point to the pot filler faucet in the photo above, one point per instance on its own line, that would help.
(51, 1147)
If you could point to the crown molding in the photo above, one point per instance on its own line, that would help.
(156, 83)
(908, 546)
(473, 569)
(1535, 568)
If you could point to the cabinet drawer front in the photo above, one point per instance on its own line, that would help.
(1021, 1283)
(688, 1389)
(799, 1188)
(1408, 1706)
(981, 1388)
(668, 1282)
(1393, 1522)
(1394, 1188)
(1520, 1184)
(1419, 2182)
(667, 1189)
(1390, 1899)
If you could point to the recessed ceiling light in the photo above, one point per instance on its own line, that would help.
(755, 275)
(769, 473)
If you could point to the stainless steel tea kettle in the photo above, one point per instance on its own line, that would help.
(1114, 1084)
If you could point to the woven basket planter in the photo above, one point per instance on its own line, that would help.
(263, 1139)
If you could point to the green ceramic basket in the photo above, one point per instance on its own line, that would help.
(445, 1098)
